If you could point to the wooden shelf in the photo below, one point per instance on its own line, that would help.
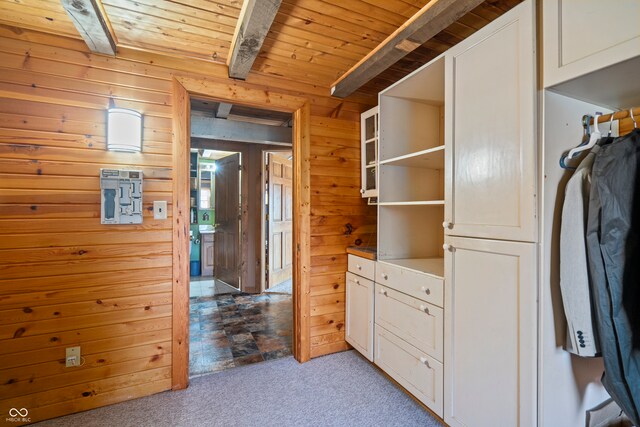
(431, 158)
(414, 203)
(432, 266)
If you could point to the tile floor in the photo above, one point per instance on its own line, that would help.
(204, 286)
(238, 329)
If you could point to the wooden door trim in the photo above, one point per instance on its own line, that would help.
(244, 94)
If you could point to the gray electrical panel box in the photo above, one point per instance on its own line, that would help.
(120, 196)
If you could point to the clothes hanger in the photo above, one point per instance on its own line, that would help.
(586, 122)
(595, 136)
(610, 125)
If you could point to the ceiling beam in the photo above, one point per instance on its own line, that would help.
(223, 110)
(231, 130)
(434, 17)
(91, 22)
(253, 25)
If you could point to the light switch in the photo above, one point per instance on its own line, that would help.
(160, 209)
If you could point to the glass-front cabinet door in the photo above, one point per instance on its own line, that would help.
(369, 152)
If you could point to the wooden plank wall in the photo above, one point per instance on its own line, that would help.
(335, 204)
(65, 279)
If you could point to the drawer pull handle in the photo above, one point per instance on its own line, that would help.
(426, 290)
(424, 361)
(424, 308)
(384, 276)
(447, 247)
(357, 282)
(447, 224)
(358, 267)
(383, 292)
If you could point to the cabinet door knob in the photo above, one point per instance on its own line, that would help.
(424, 308)
(426, 290)
(383, 292)
(384, 276)
(447, 247)
(358, 267)
(362, 191)
(357, 282)
(424, 361)
(447, 224)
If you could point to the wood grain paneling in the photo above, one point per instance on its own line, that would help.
(335, 203)
(67, 280)
(311, 41)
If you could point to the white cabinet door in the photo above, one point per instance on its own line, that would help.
(359, 314)
(581, 36)
(490, 185)
(369, 152)
(490, 333)
(206, 254)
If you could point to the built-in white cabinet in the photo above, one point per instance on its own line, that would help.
(359, 305)
(206, 253)
(491, 140)
(411, 367)
(369, 152)
(491, 333)
(582, 36)
(411, 183)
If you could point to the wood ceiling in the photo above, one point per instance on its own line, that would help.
(313, 41)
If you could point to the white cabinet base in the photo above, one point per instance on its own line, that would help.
(359, 314)
(413, 369)
(490, 333)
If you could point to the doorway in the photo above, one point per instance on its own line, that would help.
(233, 322)
(184, 87)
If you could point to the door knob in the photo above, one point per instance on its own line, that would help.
(384, 276)
(447, 225)
(426, 290)
(383, 292)
(358, 267)
(447, 247)
(424, 308)
(361, 191)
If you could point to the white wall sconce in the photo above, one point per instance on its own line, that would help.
(124, 130)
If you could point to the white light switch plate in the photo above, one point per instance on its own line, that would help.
(160, 209)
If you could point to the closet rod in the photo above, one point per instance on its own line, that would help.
(619, 115)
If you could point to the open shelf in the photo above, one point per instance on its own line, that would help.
(414, 203)
(431, 158)
(433, 266)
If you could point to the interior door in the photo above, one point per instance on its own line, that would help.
(226, 251)
(280, 219)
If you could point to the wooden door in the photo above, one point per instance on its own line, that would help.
(490, 118)
(280, 219)
(226, 251)
(490, 333)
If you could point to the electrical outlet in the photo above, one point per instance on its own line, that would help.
(160, 209)
(72, 357)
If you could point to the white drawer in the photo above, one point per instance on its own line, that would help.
(416, 371)
(422, 286)
(359, 314)
(419, 323)
(362, 266)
